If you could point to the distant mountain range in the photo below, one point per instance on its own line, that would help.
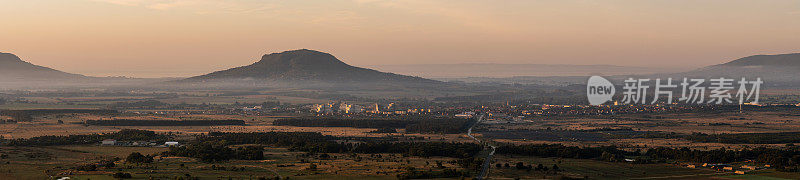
(309, 68)
(306, 67)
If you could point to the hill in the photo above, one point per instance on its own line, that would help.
(14, 69)
(306, 67)
(780, 60)
(779, 70)
(18, 74)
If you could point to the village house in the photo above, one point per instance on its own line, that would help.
(171, 143)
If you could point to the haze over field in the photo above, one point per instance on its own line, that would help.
(493, 70)
(183, 38)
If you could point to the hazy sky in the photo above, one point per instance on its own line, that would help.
(154, 38)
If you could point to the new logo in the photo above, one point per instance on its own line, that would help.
(599, 90)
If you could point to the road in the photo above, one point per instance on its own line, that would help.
(487, 163)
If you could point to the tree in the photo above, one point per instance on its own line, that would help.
(107, 163)
(88, 167)
(520, 165)
(137, 158)
(326, 156)
(121, 175)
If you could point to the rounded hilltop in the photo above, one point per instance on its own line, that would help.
(305, 65)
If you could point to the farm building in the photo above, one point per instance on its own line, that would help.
(749, 167)
(108, 142)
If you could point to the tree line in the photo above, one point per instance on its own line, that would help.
(315, 142)
(787, 159)
(27, 115)
(737, 138)
(607, 153)
(216, 151)
(411, 124)
(215, 146)
(122, 135)
(746, 138)
(784, 159)
(130, 122)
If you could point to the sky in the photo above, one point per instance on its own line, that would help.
(176, 38)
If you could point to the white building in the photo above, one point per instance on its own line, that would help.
(254, 108)
(171, 143)
(466, 115)
(108, 142)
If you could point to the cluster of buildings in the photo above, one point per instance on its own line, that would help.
(252, 108)
(546, 110)
(112, 142)
(468, 114)
(345, 108)
(729, 168)
(338, 107)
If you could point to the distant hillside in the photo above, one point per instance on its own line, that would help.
(301, 67)
(18, 74)
(13, 69)
(776, 70)
(781, 71)
(492, 70)
(780, 60)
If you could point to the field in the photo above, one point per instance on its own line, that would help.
(41, 162)
(571, 130)
(626, 131)
(578, 168)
